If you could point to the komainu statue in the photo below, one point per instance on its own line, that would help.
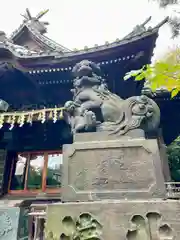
(95, 108)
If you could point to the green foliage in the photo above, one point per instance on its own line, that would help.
(163, 74)
(165, 3)
(174, 19)
(173, 152)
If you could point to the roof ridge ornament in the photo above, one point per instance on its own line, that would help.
(28, 15)
(138, 29)
(34, 21)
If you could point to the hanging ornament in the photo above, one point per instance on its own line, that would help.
(50, 116)
(22, 120)
(43, 116)
(12, 122)
(19, 119)
(29, 118)
(61, 113)
(9, 119)
(39, 116)
(1, 120)
(55, 115)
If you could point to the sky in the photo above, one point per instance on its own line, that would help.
(79, 23)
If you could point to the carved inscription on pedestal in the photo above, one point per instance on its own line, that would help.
(107, 169)
(112, 169)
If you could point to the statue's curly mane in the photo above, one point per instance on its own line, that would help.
(90, 67)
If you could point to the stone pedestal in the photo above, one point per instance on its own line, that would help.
(97, 166)
(115, 220)
(113, 189)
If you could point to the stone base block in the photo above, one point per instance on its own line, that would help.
(97, 166)
(9, 221)
(114, 220)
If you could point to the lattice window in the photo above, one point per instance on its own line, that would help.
(33, 172)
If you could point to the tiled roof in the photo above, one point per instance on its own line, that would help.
(56, 51)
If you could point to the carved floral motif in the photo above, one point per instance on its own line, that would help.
(85, 227)
(5, 224)
(149, 228)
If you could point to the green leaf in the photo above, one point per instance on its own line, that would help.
(127, 76)
(139, 77)
(163, 73)
(153, 86)
(174, 92)
(133, 73)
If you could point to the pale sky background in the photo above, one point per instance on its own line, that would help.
(79, 23)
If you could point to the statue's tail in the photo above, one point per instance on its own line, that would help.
(138, 112)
